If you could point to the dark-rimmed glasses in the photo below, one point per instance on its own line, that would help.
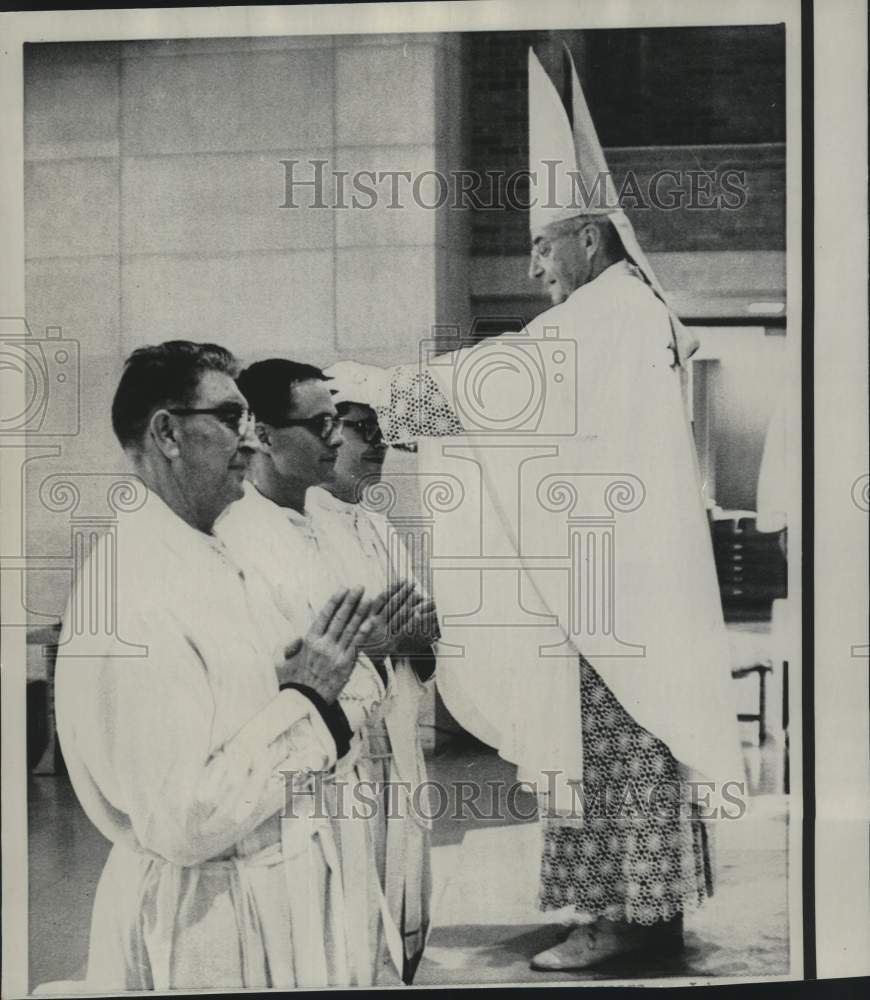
(322, 426)
(369, 429)
(233, 415)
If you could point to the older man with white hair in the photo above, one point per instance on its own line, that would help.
(611, 692)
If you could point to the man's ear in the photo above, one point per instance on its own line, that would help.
(262, 433)
(162, 429)
(591, 239)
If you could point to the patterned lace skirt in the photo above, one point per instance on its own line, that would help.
(639, 853)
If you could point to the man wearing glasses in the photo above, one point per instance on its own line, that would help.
(185, 737)
(374, 554)
(611, 678)
(274, 537)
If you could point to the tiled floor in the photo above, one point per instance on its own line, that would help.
(486, 925)
(67, 854)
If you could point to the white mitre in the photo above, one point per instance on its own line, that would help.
(570, 177)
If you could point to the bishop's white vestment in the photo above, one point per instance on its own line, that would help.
(570, 521)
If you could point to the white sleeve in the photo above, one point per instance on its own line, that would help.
(363, 694)
(141, 729)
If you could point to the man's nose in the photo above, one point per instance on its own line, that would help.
(535, 269)
(249, 440)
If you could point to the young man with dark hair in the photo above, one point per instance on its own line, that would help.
(276, 539)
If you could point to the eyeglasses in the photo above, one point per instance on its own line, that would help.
(543, 246)
(233, 415)
(369, 430)
(323, 425)
(541, 249)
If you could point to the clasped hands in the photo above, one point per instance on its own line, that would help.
(399, 620)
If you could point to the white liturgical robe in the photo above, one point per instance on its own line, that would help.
(375, 557)
(569, 520)
(175, 750)
(301, 568)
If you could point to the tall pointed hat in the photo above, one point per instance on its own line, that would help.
(571, 177)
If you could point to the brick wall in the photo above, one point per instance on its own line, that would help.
(697, 99)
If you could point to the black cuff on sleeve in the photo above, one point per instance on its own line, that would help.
(423, 664)
(333, 716)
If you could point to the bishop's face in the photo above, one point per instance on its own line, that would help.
(561, 259)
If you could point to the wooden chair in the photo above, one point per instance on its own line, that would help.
(762, 670)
